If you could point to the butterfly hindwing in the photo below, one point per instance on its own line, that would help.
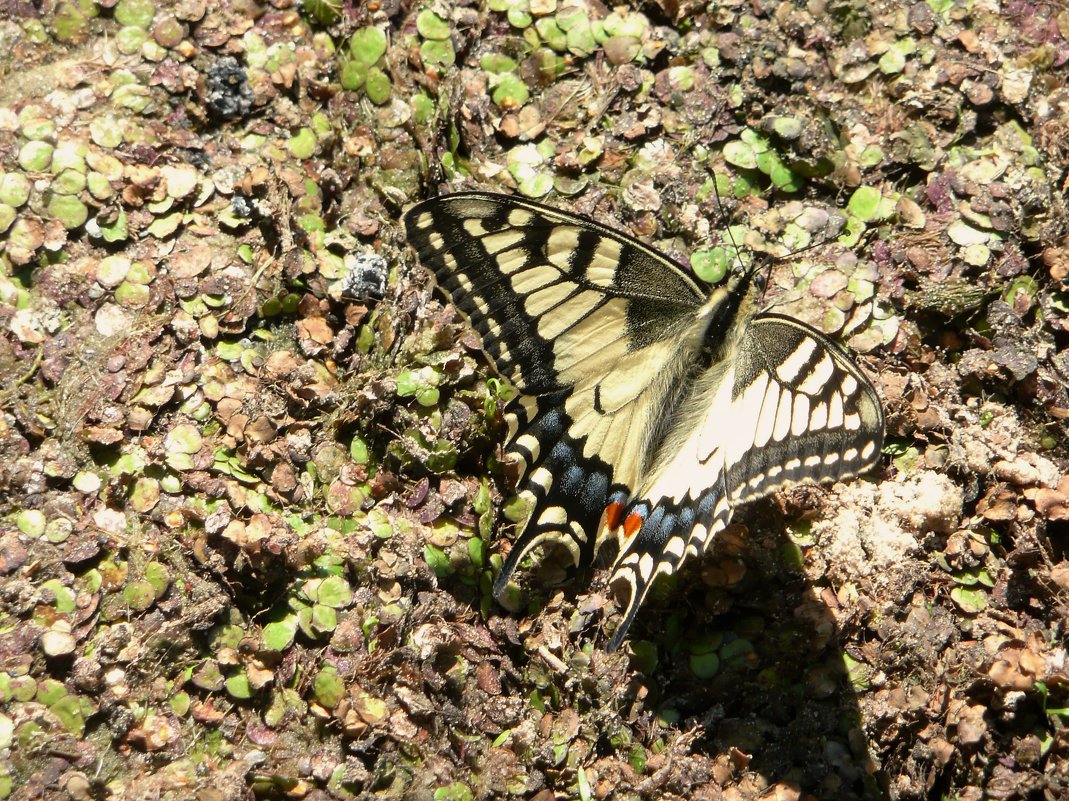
(820, 418)
(565, 490)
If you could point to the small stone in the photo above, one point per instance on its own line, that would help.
(112, 319)
(57, 641)
(1016, 85)
(180, 181)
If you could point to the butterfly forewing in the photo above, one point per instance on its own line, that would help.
(819, 417)
(555, 298)
(624, 420)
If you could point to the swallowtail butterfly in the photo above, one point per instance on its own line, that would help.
(649, 406)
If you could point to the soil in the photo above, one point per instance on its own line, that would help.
(253, 492)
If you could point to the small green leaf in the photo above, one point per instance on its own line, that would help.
(518, 16)
(497, 63)
(892, 62)
(335, 592)
(422, 111)
(368, 45)
(302, 144)
(740, 154)
(138, 13)
(787, 127)
(278, 635)
(511, 92)
(457, 791)
(551, 34)
(64, 595)
(580, 38)
(377, 86)
(35, 156)
(380, 524)
(437, 560)
(438, 52)
(481, 502)
(537, 185)
(50, 691)
(428, 396)
(784, 179)
(705, 666)
(324, 618)
(353, 75)
(180, 703)
(358, 451)
(737, 653)
(118, 231)
(864, 204)
(238, 686)
(68, 210)
(516, 509)
(328, 687)
(431, 26)
(184, 438)
(710, 264)
(69, 709)
(31, 522)
(859, 673)
(158, 576)
(139, 595)
(583, 783)
(969, 601)
(477, 552)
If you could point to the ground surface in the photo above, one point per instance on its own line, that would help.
(250, 496)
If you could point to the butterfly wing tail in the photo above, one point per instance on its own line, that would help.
(670, 533)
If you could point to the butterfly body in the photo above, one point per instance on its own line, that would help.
(649, 407)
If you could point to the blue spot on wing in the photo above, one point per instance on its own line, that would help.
(571, 480)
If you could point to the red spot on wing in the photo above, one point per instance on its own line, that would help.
(632, 524)
(614, 515)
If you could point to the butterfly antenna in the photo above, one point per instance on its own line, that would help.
(806, 249)
(755, 264)
(726, 222)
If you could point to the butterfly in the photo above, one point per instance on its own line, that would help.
(649, 406)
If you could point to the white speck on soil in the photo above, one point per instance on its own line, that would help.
(877, 525)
